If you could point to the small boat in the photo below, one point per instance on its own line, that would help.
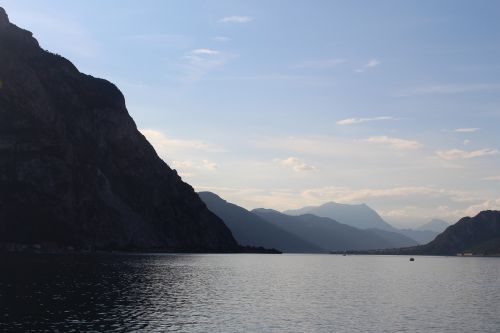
(412, 259)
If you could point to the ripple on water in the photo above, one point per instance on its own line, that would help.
(248, 293)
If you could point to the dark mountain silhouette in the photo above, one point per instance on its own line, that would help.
(74, 169)
(420, 236)
(329, 234)
(435, 225)
(478, 235)
(358, 216)
(250, 229)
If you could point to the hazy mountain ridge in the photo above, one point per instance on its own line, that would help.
(420, 236)
(250, 229)
(358, 216)
(435, 225)
(74, 169)
(478, 235)
(332, 235)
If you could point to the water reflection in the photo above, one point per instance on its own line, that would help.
(248, 293)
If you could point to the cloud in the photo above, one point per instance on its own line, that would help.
(466, 130)
(466, 141)
(296, 164)
(486, 205)
(452, 89)
(207, 52)
(492, 178)
(221, 39)
(236, 19)
(351, 121)
(211, 166)
(372, 63)
(349, 195)
(454, 154)
(198, 62)
(165, 144)
(182, 164)
(395, 143)
(320, 64)
(189, 168)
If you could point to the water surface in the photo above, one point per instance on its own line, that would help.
(248, 293)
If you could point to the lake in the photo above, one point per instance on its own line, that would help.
(248, 293)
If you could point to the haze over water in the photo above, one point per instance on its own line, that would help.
(249, 293)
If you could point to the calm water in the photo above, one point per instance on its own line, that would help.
(249, 293)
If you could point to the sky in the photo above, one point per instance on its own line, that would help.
(283, 104)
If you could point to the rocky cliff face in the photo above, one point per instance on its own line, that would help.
(74, 169)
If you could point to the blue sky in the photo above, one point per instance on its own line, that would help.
(282, 104)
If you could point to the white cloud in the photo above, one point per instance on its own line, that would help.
(454, 154)
(492, 178)
(466, 130)
(396, 143)
(236, 19)
(320, 64)
(348, 195)
(486, 205)
(182, 164)
(207, 52)
(189, 168)
(466, 141)
(351, 121)
(164, 144)
(221, 39)
(199, 62)
(211, 166)
(372, 63)
(452, 89)
(296, 164)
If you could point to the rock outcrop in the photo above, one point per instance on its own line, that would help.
(74, 169)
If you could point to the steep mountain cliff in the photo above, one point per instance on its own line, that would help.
(74, 169)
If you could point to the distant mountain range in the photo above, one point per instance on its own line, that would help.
(420, 236)
(332, 235)
(435, 225)
(302, 234)
(250, 229)
(478, 235)
(358, 216)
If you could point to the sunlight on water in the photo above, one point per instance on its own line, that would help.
(249, 293)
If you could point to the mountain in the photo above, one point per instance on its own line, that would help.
(358, 216)
(331, 235)
(74, 169)
(420, 236)
(435, 225)
(479, 234)
(395, 239)
(250, 229)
